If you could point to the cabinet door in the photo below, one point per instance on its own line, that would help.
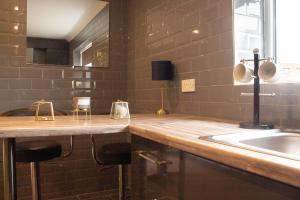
(155, 171)
(208, 180)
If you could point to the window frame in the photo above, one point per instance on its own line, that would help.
(269, 29)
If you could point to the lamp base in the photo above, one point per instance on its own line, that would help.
(251, 125)
(162, 111)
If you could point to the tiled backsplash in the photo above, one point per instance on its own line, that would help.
(166, 30)
(21, 86)
(196, 35)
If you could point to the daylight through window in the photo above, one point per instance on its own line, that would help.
(271, 26)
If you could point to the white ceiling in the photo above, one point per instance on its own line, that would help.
(60, 19)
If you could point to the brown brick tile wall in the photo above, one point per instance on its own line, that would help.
(163, 30)
(34, 82)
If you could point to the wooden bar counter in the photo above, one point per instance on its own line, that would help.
(178, 131)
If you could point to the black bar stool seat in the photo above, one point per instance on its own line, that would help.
(37, 151)
(34, 152)
(115, 154)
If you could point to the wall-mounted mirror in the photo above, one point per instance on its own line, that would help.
(68, 32)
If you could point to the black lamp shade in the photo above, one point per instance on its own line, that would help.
(162, 70)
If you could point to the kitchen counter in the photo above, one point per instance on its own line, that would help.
(178, 131)
(183, 132)
(15, 127)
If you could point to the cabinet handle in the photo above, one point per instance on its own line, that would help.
(153, 159)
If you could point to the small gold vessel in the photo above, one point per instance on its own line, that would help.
(43, 104)
(82, 104)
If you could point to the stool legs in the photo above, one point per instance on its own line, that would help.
(35, 180)
(121, 182)
(9, 169)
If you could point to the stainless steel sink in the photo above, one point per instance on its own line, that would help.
(274, 142)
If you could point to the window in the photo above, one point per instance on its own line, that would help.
(271, 26)
(86, 56)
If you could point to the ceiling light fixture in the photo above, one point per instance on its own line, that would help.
(16, 8)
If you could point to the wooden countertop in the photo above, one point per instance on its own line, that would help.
(178, 131)
(14, 127)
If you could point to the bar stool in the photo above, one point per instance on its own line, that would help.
(34, 152)
(114, 154)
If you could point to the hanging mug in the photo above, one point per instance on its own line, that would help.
(242, 73)
(268, 71)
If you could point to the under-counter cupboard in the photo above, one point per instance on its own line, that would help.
(160, 172)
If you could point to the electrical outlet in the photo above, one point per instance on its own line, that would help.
(188, 85)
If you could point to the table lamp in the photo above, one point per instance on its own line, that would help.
(162, 71)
